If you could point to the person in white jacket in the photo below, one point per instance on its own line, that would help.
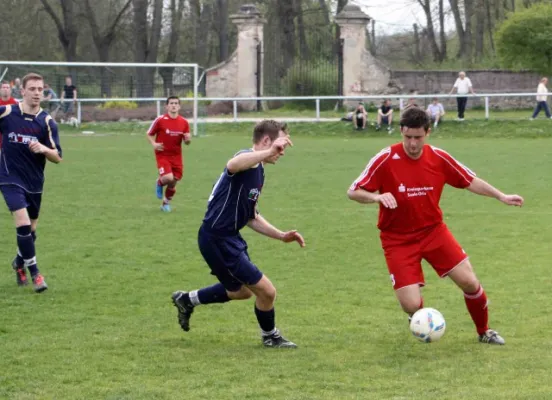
(541, 99)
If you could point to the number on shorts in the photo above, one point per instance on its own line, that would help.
(392, 279)
(161, 171)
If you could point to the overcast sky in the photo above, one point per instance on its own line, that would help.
(394, 16)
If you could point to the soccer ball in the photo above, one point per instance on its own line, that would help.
(427, 325)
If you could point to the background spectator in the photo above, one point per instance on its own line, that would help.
(541, 99)
(385, 116)
(360, 117)
(462, 86)
(435, 111)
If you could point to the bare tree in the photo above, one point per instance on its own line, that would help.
(222, 28)
(287, 25)
(479, 29)
(442, 33)
(68, 30)
(146, 44)
(103, 39)
(426, 6)
(166, 73)
(303, 45)
(417, 52)
(490, 27)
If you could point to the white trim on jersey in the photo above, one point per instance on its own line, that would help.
(153, 124)
(7, 112)
(370, 164)
(224, 205)
(436, 150)
(237, 205)
(47, 120)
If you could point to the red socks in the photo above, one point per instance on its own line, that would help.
(477, 306)
(169, 192)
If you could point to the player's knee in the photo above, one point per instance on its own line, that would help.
(410, 306)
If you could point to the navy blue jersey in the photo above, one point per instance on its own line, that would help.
(233, 201)
(18, 165)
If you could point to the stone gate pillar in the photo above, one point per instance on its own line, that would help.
(362, 73)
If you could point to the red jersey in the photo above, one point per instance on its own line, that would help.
(416, 185)
(11, 100)
(170, 132)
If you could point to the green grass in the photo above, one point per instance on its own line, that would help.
(106, 328)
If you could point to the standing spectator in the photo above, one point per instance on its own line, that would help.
(68, 98)
(385, 116)
(360, 117)
(435, 112)
(16, 89)
(541, 100)
(463, 86)
(50, 95)
(5, 99)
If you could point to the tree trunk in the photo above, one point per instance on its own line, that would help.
(459, 28)
(146, 48)
(442, 33)
(417, 53)
(303, 45)
(426, 5)
(490, 27)
(67, 30)
(479, 29)
(176, 21)
(468, 12)
(325, 11)
(287, 26)
(222, 24)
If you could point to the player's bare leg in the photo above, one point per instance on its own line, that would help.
(185, 302)
(476, 301)
(170, 191)
(25, 244)
(265, 293)
(164, 180)
(410, 298)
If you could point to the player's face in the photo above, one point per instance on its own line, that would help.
(414, 140)
(32, 93)
(5, 91)
(173, 107)
(274, 159)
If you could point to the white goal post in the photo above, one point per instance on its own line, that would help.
(108, 71)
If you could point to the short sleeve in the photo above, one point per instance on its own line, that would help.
(186, 127)
(53, 136)
(371, 178)
(152, 131)
(456, 174)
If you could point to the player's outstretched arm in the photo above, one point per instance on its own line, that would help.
(364, 197)
(244, 161)
(482, 188)
(262, 226)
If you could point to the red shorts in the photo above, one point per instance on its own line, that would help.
(404, 254)
(170, 165)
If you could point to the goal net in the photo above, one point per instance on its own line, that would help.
(112, 91)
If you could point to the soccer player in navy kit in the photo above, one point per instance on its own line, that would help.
(30, 137)
(231, 206)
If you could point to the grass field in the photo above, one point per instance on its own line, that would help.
(106, 328)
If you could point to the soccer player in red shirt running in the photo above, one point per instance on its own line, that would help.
(5, 98)
(407, 180)
(166, 135)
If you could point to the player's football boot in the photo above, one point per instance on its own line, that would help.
(166, 207)
(20, 273)
(491, 337)
(278, 341)
(158, 190)
(185, 308)
(39, 283)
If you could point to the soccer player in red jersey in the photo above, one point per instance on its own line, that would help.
(407, 180)
(166, 135)
(5, 98)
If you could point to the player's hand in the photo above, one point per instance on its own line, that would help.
(512, 200)
(387, 200)
(37, 147)
(158, 146)
(187, 138)
(280, 144)
(293, 236)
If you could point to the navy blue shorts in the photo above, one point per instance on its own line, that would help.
(228, 260)
(385, 120)
(17, 198)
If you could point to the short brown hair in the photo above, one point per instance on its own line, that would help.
(31, 77)
(173, 98)
(4, 83)
(415, 117)
(267, 127)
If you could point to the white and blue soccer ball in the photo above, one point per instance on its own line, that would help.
(427, 325)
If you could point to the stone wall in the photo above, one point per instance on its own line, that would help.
(484, 81)
(222, 78)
